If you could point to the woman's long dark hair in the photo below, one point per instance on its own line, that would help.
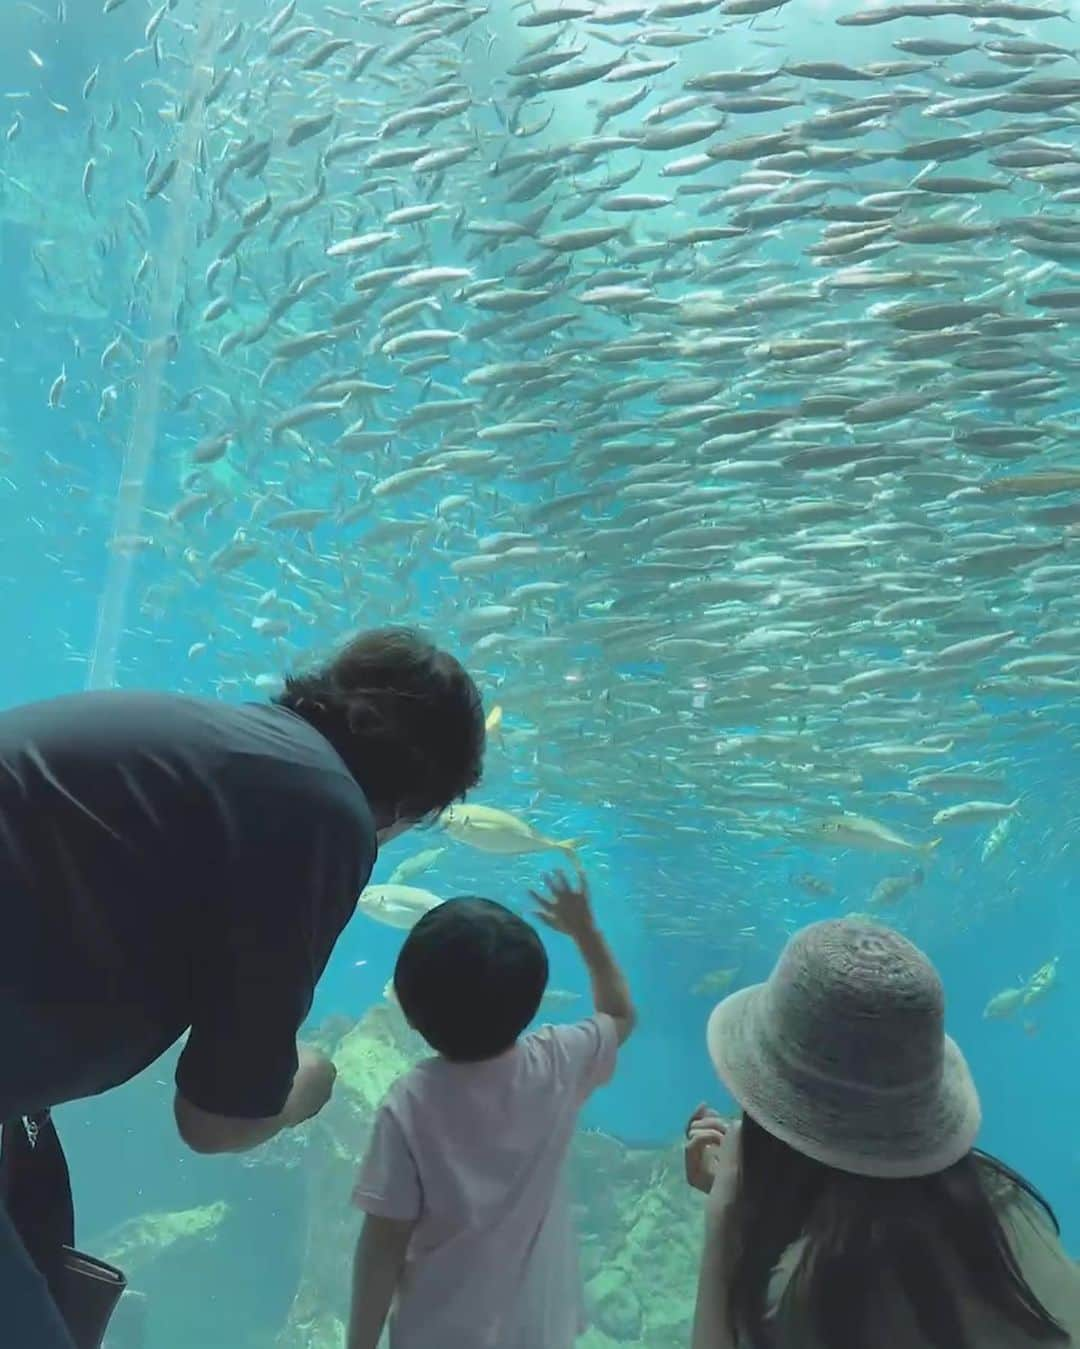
(859, 1231)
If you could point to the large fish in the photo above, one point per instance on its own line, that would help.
(397, 905)
(497, 831)
(857, 831)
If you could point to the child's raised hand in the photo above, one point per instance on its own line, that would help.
(565, 905)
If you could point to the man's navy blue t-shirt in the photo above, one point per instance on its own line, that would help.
(166, 863)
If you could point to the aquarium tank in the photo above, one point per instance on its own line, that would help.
(704, 374)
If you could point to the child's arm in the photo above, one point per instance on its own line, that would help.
(380, 1255)
(388, 1190)
(567, 908)
(611, 992)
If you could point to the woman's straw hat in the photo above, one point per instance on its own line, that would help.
(842, 1054)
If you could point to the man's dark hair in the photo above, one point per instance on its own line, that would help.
(406, 718)
(470, 978)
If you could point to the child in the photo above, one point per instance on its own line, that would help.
(468, 1228)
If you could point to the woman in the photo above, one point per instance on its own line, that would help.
(849, 1209)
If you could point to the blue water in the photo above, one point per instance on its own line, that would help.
(986, 926)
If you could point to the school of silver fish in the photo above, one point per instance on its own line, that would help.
(712, 398)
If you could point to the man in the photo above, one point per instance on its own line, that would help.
(169, 863)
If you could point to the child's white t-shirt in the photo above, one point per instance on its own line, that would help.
(474, 1153)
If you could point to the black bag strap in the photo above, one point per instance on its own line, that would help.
(36, 1188)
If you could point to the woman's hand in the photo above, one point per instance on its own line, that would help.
(706, 1132)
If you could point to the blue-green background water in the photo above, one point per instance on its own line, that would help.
(986, 925)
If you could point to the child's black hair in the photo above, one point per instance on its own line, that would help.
(470, 978)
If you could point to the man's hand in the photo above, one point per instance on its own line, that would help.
(312, 1086)
(706, 1132)
(204, 1131)
(565, 907)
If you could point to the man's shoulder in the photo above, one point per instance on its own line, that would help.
(122, 718)
(257, 763)
(269, 750)
(281, 775)
(91, 705)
